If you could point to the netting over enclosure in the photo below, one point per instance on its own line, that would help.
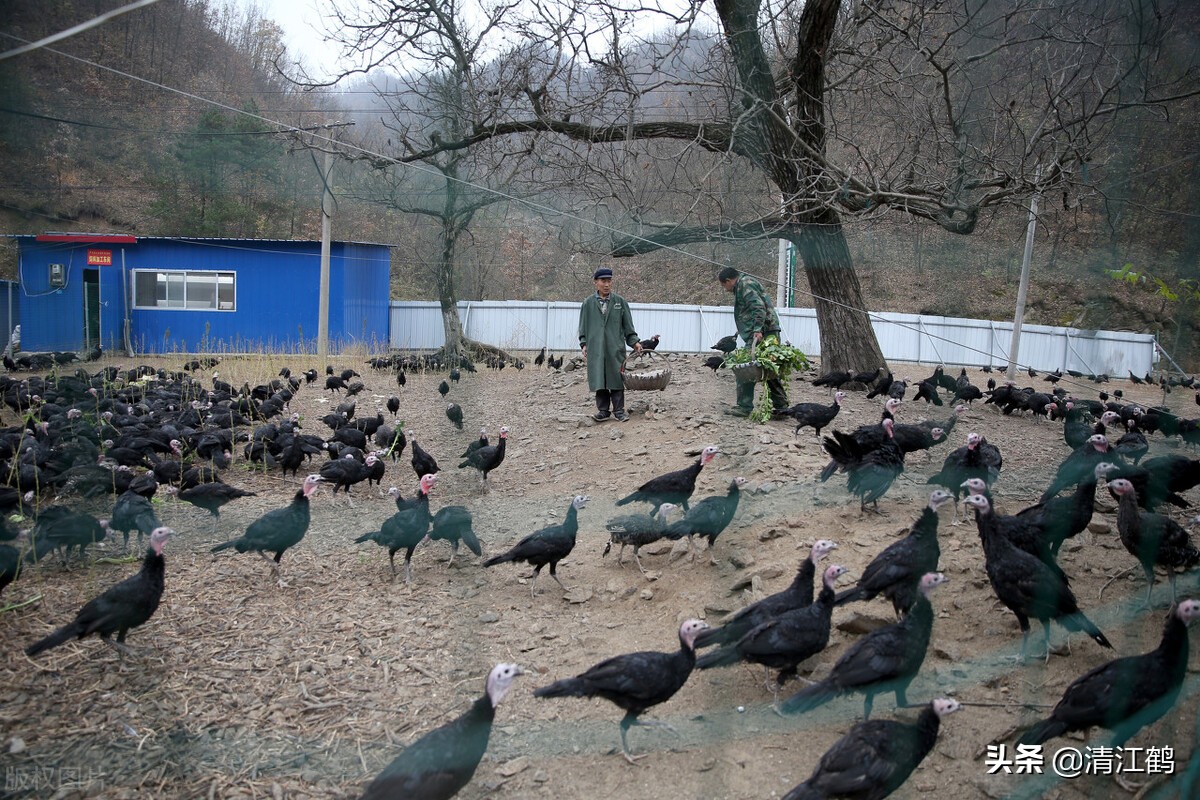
(1000, 573)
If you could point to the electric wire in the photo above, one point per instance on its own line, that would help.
(360, 150)
(69, 32)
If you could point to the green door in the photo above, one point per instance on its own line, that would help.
(91, 308)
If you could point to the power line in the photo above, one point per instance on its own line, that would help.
(101, 126)
(526, 202)
(80, 28)
(283, 127)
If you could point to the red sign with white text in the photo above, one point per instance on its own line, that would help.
(99, 258)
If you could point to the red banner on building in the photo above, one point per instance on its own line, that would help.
(99, 258)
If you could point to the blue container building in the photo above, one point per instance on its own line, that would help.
(150, 294)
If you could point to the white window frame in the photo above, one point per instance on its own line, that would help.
(213, 277)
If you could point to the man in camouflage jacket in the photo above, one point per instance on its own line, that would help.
(754, 314)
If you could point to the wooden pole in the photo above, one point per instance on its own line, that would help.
(1023, 287)
(326, 231)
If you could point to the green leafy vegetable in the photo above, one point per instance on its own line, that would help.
(777, 360)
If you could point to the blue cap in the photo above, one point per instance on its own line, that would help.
(603, 272)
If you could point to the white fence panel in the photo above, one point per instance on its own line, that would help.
(531, 325)
(416, 326)
(799, 328)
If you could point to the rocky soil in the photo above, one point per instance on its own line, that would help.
(243, 689)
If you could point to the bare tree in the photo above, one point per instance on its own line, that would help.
(440, 99)
(443, 192)
(942, 110)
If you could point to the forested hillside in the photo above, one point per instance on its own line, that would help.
(174, 120)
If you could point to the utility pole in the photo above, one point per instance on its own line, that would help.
(783, 282)
(325, 144)
(326, 230)
(1023, 287)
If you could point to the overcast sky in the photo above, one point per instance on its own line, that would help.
(301, 22)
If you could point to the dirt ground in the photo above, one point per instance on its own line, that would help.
(244, 689)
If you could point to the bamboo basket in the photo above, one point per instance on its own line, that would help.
(651, 375)
(751, 371)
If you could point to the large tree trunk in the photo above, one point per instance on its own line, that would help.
(847, 338)
(452, 326)
(447, 295)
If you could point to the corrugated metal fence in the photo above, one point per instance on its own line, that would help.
(530, 325)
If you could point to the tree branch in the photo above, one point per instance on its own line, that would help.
(675, 236)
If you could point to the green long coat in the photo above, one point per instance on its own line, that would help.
(605, 337)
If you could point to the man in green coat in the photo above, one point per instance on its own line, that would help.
(605, 328)
(755, 317)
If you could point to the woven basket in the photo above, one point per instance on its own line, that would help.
(751, 371)
(648, 376)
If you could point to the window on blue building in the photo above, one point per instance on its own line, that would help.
(191, 289)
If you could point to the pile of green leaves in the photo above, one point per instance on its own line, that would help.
(778, 360)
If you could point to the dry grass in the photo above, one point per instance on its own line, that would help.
(244, 689)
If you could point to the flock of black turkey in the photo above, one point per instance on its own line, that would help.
(87, 454)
